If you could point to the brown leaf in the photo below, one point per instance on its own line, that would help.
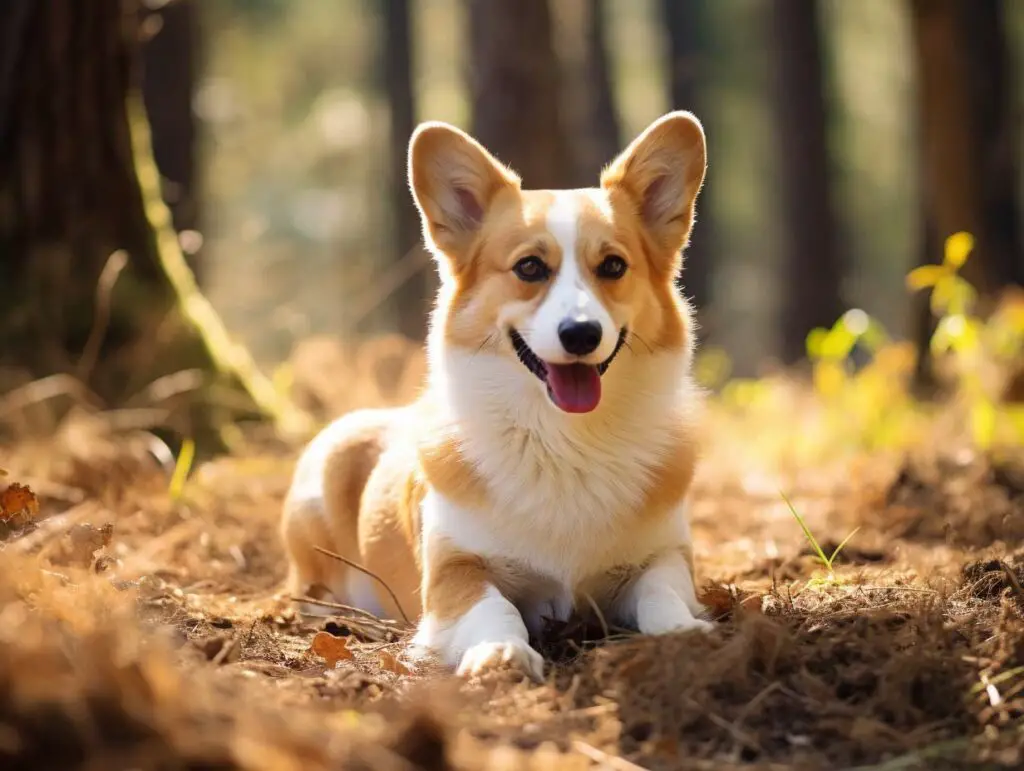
(330, 648)
(18, 502)
(718, 599)
(723, 600)
(82, 542)
(389, 663)
(752, 603)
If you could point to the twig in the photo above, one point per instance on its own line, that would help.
(597, 612)
(388, 282)
(43, 389)
(370, 573)
(604, 759)
(101, 317)
(337, 606)
(1012, 578)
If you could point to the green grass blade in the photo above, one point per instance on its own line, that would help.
(843, 543)
(181, 468)
(807, 532)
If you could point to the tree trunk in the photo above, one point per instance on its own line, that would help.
(812, 269)
(687, 27)
(992, 92)
(78, 185)
(411, 299)
(170, 57)
(969, 160)
(597, 133)
(514, 82)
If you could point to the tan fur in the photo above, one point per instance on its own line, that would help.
(456, 581)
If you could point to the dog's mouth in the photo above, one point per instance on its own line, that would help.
(571, 387)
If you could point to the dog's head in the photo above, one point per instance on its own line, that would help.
(561, 280)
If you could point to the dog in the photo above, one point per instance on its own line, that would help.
(546, 464)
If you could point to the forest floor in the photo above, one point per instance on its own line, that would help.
(140, 629)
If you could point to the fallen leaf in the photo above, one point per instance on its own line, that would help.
(389, 663)
(752, 603)
(723, 600)
(330, 648)
(718, 599)
(84, 540)
(18, 502)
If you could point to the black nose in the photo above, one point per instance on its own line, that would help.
(579, 337)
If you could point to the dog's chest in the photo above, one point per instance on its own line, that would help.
(567, 508)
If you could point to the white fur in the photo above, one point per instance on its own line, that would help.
(562, 488)
(663, 599)
(570, 296)
(490, 632)
(360, 592)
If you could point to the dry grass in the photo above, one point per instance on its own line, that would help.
(137, 631)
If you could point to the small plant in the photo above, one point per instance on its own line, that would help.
(825, 560)
(182, 467)
(968, 342)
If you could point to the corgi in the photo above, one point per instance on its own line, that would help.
(546, 464)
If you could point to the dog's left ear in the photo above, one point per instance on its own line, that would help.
(662, 171)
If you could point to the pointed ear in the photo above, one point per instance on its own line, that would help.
(454, 180)
(662, 171)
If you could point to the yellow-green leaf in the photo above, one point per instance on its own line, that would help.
(925, 276)
(829, 378)
(958, 247)
(983, 423)
(838, 343)
(816, 342)
(181, 468)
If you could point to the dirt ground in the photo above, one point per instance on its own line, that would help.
(140, 631)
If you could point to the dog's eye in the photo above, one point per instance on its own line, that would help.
(531, 269)
(612, 267)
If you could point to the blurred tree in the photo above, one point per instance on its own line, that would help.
(597, 131)
(969, 159)
(95, 285)
(689, 51)
(170, 58)
(412, 298)
(514, 82)
(813, 267)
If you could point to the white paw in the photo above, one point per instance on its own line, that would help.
(666, 624)
(488, 655)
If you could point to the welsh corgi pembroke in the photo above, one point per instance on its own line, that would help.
(545, 466)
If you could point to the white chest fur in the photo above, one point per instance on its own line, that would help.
(564, 489)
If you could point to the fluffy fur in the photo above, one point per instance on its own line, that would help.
(489, 504)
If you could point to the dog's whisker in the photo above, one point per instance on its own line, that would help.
(646, 344)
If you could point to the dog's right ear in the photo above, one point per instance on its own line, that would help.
(454, 180)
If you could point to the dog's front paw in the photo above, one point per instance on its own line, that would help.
(669, 624)
(491, 655)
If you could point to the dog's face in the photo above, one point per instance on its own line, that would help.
(562, 280)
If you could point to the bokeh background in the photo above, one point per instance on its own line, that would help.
(848, 141)
(822, 190)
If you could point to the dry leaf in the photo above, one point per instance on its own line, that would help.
(718, 599)
(18, 502)
(722, 600)
(389, 663)
(84, 540)
(330, 648)
(752, 603)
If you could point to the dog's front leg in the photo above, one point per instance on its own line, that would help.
(663, 598)
(466, 620)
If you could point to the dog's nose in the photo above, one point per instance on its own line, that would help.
(579, 337)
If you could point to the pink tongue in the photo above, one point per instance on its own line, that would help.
(574, 387)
